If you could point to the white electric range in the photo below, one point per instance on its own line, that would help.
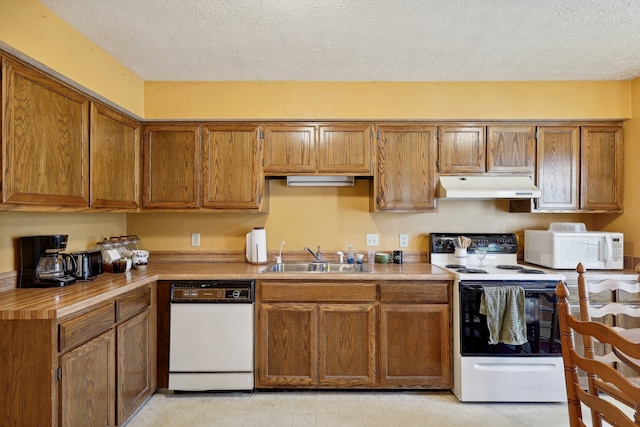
(527, 371)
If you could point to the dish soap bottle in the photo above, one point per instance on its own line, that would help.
(350, 257)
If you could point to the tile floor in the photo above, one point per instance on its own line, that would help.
(343, 408)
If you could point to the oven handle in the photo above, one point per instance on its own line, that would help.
(541, 290)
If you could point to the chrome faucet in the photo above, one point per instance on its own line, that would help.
(316, 255)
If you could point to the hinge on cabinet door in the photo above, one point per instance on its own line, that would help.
(58, 373)
(438, 135)
(536, 134)
(261, 134)
(378, 134)
(437, 163)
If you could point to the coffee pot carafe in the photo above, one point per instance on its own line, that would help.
(42, 265)
(55, 265)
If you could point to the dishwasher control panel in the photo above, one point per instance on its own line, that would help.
(227, 291)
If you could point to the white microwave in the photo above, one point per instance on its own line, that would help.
(564, 250)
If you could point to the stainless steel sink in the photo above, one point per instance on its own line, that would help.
(316, 267)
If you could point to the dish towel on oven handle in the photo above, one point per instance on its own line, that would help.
(506, 316)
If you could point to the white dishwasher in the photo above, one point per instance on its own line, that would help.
(211, 335)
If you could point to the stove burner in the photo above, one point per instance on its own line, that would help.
(471, 270)
(454, 266)
(531, 271)
(509, 267)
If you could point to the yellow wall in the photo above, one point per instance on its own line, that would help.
(628, 221)
(84, 230)
(32, 29)
(387, 100)
(330, 217)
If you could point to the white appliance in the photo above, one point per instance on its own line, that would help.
(485, 372)
(211, 335)
(564, 245)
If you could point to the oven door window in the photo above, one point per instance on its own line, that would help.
(543, 337)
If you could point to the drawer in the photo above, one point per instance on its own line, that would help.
(85, 327)
(317, 291)
(428, 292)
(133, 304)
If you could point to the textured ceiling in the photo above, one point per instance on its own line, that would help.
(364, 40)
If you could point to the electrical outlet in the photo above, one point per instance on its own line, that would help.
(404, 240)
(195, 239)
(372, 240)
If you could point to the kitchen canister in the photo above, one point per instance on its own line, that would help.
(461, 256)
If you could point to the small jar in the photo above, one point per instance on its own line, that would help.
(106, 249)
(132, 242)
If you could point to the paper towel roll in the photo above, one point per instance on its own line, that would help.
(257, 246)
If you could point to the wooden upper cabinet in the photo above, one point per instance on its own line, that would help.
(289, 149)
(511, 149)
(405, 178)
(601, 168)
(171, 170)
(345, 148)
(45, 140)
(336, 148)
(461, 149)
(115, 159)
(231, 169)
(558, 166)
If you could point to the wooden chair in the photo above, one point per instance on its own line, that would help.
(612, 313)
(603, 375)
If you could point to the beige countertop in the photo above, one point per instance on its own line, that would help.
(55, 303)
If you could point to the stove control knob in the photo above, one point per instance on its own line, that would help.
(235, 293)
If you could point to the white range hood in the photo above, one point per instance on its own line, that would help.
(487, 187)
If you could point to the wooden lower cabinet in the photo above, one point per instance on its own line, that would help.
(135, 365)
(415, 334)
(347, 345)
(91, 369)
(353, 335)
(317, 345)
(287, 348)
(414, 346)
(87, 383)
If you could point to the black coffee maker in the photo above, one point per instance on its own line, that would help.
(42, 265)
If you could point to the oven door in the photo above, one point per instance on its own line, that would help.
(540, 312)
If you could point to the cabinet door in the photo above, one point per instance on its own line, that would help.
(171, 166)
(601, 168)
(461, 149)
(415, 348)
(345, 148)
(558, 163)
(510, 149)
(87, 385)
(405, 178)
(45, 140)
(289, 149)
(134, 365)
(115, 159)
(347, 345)
(287, 348)
(231, 167)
